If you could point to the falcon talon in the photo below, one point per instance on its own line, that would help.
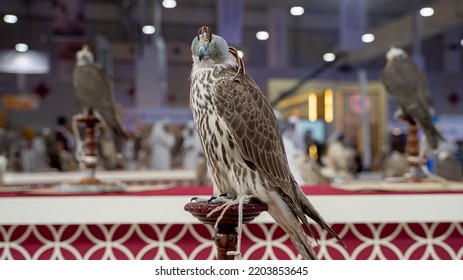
(200, 199)
(222, 199)
(229, 196)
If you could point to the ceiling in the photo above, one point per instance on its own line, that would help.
(309, 36)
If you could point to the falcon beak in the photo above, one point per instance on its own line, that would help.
(203, 52)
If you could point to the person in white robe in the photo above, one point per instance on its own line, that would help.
(162, 141)
(191, 147)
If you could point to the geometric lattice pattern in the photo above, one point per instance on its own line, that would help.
(260, 241)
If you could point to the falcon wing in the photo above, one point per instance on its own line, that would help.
(407, 86)
(93, 89)
(405, 83)
(253, 126)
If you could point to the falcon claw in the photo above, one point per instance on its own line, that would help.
(199, 199)
(229, 196)
(223, 198)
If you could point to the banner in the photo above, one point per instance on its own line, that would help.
(230, 21)
(22, 101)
(233, 270)
(351, 24)
(68, 17)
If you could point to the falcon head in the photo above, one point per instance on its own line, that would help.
(208, 46)
(395, 53)
(84, 56)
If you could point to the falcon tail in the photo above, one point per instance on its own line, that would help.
(117, 132)
(432, 135)
(290, 217)
(285, 218)
(119, 135)
(423, 117)
(310, 211)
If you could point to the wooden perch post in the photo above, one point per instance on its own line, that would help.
(226, 236)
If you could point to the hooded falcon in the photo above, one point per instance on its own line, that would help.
(241, 139)
(95, 94)
(407, 86)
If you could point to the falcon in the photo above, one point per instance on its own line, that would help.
(94, 93)
(407, 86)
(241, 139)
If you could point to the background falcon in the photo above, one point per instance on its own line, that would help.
(241, 138)
(95, 94)
(407, 86)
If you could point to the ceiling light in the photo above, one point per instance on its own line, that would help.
(30, 62)
(148, 29)
(10, 19)
(461, 42)
(368, 38)
(169, 4)
(262, 35)
(241, 54)
(426, 12)
(20, 47)
(297, 11)
(328, 57)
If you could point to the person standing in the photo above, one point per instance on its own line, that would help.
(66, 144)
(162, 141)
(63, 135)
(191, 147)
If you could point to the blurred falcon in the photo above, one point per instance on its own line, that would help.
(95, 94)
(407, 86)
(241, 138)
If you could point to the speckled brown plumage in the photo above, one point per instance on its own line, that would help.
(94, 93)
(408, 87)
(241, 139)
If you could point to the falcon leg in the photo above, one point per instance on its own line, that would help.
(200, 199)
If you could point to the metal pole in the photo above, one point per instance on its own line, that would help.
(21, 81)
(365, 120)
(417, 34)
(157, 16)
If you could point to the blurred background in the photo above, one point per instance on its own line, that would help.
(309, 57)
(319, 63)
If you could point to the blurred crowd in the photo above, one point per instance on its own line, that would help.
(48, 149)
(165, 145)
(160, 146)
